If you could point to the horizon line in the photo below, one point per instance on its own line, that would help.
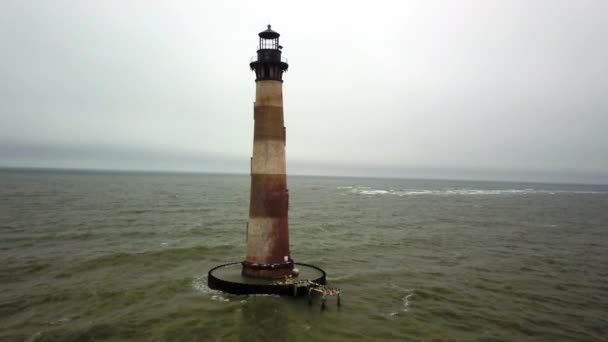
(172, 171)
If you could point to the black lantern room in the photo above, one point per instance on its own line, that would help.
(269, 64)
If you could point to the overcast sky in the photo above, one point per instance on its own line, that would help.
(514, 90)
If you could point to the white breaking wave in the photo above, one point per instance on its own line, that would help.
(374, 192)
(200, 285)
(447, 192)
(405, 303)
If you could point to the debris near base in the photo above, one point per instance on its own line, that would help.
(311, 287)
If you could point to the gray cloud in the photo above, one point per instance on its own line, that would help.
(503, 89)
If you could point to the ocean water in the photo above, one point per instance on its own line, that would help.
(123, 256)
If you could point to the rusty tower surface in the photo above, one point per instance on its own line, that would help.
(267, 229)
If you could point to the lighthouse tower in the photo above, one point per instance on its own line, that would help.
(267, 229)
(268, 267)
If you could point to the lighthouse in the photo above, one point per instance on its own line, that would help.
(268, 266)
(267, 253)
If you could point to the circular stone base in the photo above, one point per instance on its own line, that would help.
(228, 278)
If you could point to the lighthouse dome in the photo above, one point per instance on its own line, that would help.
(269, 34)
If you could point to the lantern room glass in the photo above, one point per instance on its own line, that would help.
(269, 44)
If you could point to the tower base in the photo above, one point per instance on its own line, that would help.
(229, 278)
(270, 271)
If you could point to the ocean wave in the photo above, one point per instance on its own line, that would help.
(373, 192)
(405, 303)
(152, 258)
(343, 278)
(463, 192)
(199, 284)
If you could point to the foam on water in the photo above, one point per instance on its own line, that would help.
(199, 284)
(461, 192)
(219, 298)
(373, 192)
(405, 303)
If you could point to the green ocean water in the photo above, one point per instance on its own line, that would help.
(92, 256)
